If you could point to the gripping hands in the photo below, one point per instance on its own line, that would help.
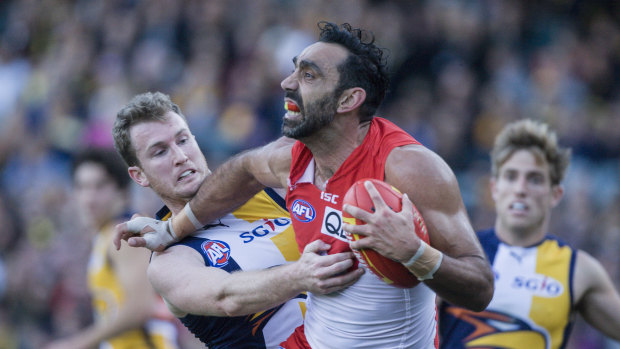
(145, 232)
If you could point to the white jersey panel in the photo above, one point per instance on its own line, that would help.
(370, 309)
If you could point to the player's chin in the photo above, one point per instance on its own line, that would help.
(186, 192)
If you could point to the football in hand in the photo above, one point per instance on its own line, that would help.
(388, 270)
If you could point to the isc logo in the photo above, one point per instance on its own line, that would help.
(217, 251)
(539, 285)
(329, 197)
(303, 211)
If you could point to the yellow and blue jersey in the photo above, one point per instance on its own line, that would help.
(532, 303)
(256, 236)
(108, 296)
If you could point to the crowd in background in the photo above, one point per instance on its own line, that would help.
(460, 71)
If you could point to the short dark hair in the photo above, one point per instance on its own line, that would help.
(365, 66)
(108, 159)
(143, 107)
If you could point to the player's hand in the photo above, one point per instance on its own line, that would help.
(321, 273)
(145, 232)
(390, 233)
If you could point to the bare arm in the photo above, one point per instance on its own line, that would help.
(230, 186)
(180, 276)
(596, 299)
(464, 276)
(139, 303)
(237, 180)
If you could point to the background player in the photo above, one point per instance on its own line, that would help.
(540, 282)
(126, 306)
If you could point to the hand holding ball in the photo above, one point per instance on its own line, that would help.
(388, 270)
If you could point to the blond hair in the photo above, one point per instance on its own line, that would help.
(533, 136)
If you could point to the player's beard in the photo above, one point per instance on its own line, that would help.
(314, 117)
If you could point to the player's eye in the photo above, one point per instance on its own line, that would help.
(537, 179)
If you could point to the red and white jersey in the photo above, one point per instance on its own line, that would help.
(370, 313)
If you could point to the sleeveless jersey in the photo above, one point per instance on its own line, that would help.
(256, 236)
(532, 303)
(108, 296)
(370, 313)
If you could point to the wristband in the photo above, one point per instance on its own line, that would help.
(416, 256)
(431, 273)
(192, 218)
(425, 262)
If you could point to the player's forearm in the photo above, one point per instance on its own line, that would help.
(227, 188)
(247, 293)
(465, 281)
(239, 293)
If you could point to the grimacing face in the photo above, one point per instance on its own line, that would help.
(523, 193)
(171, 162)
(310, 101)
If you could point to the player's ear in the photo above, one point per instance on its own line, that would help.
(557, 193)
(493, 187)
(351, 99)
(138, 176)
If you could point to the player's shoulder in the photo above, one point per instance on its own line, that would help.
(417, 156)
(185, 252)
(418, 162)
(589, 273)
(271, 163)
(586, 265)
(280, 147)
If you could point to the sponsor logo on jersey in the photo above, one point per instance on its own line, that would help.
(217, 251)
(332, 224)
(303, 211)
(329, 197)
(269, 226)
(539, 285)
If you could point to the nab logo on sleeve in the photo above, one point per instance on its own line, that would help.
(217, 251)
(303, 211)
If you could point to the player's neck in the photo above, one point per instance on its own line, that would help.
(331, 146)
(519, 237)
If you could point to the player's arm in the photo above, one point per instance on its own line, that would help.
(138, 305)
(454, 263)
(596, 299)
(230, 186)
(181, 278)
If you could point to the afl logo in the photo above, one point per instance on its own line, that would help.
(218, 252)
(303, 211)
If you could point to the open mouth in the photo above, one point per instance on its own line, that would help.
(518, 207)
(185, 174)
(292, 109)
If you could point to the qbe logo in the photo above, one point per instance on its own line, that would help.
(303, 211)
(332, 224)
(217, 251)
